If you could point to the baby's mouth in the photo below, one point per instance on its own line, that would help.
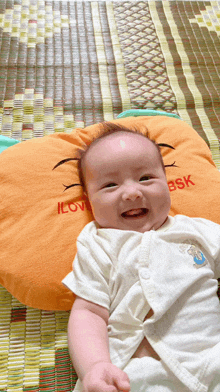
(135, 213)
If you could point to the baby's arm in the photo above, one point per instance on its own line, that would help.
(88, 347)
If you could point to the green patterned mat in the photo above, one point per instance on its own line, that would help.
(33, 348)
(67, 64)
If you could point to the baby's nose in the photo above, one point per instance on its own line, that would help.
(132, 194)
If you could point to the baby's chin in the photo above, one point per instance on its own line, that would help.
(140, 224)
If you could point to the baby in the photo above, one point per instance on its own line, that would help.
(146, 316)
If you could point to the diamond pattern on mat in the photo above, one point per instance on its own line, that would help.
(209, 18)
(47, 53)
(32, 115)
(144, 63)
(32, 22)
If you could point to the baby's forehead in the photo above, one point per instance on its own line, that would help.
(119, 138)
(122, 142)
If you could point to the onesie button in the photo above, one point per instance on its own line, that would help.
(144, 273)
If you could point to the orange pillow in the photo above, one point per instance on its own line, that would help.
(40, 222)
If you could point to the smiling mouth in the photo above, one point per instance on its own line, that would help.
(135, 213)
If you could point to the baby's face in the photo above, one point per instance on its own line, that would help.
(126, 183)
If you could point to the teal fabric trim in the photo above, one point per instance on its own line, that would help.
(146, 112)
(6, 142)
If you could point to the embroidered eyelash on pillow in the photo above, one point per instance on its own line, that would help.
(40, 222)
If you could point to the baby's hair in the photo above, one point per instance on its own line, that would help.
(108, 128)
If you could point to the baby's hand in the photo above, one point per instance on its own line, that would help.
(106, 377)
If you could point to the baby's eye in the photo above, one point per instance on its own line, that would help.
(111, 184)
(145, 178)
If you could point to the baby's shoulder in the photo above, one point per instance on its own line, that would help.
(200, 230)
(88, 230)
(196, 222)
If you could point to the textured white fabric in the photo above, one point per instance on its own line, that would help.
(149, 375)
(174, 271)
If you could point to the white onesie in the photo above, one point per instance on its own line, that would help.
(174, 271)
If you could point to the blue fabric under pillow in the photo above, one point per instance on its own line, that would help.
(6, 142)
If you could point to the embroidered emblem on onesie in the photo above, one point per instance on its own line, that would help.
(194, 251)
